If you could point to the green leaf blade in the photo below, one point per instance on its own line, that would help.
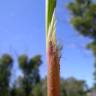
(50, 7)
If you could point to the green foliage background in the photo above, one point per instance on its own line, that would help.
(30, 83)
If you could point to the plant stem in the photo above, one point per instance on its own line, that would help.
(53, 78)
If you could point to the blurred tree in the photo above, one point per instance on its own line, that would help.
(37, 90)
(16, 91)
(73, 87)
(84, 20)
(44, 86)
(5, 74)
(69, 87)
(30, 72)
(13, 90)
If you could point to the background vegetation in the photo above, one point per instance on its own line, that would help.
(29, 83)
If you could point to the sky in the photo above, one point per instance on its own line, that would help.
(22, 31)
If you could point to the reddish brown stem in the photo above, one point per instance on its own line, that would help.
(53, 77)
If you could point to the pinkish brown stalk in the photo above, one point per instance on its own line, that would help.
(53, 78)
